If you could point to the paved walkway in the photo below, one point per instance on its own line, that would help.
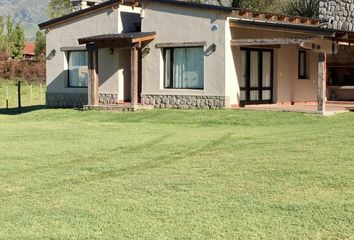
(332, 108)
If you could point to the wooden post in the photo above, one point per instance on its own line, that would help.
(134, 77)
(7, 97)
(19, 94)
(93, 84)
(40, 93)
(30, 94)
(321, 83)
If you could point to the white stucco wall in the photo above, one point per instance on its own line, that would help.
(175, 25)
(106, 21)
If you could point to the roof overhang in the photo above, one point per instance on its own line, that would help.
(121, 40)
(86, 11)
(280, 26)
(111, 3)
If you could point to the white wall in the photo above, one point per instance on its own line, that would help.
(177, 24)
(106, 21)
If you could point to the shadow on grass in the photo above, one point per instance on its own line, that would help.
(16, 111)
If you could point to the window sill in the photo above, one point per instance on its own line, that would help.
(75, 87)
(197, 89)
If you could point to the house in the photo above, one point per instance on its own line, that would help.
(29, 50)
(340, 66)
(174, 54)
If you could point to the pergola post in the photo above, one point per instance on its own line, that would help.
(321, 83)
(93, 76)
(134, 76)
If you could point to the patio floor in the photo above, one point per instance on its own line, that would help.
(332, 108)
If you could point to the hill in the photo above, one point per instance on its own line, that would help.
(28, 12)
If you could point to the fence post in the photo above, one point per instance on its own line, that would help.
(7, 97)
(40, 93)
(30, 94)
(19, 94)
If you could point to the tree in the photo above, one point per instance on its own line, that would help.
(58, 8)
(40, 45)
(9, 35)
(18, 41)
(303, 8)
(2, 34)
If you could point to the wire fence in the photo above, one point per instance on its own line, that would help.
(21, 93)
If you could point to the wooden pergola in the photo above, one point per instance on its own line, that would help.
(133, 40)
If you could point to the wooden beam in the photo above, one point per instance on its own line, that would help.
(181, 44)
(143, 39)
(134, 77)
(321, 83)
(264, 46)
(266, 41)
(73, 48)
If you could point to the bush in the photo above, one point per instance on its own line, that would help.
(31, 71)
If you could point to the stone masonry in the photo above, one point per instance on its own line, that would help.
(65, 100)
(339, 13)
(184, 101)
(77, 99)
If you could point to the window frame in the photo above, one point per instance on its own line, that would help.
(171, 68)
(68, 53)
(306, 67)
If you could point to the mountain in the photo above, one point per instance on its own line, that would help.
(27, 12)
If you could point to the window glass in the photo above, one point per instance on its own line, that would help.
(184, 68)
(302, 65)
(78, 70)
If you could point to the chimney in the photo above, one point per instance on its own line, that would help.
(82, 4)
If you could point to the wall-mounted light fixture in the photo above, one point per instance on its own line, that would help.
(111, 51)
(51, 54)
(145, 52)
(210, 49)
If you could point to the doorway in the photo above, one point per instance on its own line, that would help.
(256, 83)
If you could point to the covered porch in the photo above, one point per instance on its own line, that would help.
(132, 41)
(268, 53)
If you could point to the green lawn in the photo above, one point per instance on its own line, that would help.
(37, 99)
(176, 174)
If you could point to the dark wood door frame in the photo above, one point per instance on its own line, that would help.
(260, 87)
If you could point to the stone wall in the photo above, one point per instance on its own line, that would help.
(65, 100)
(77, 99)
(108, 98)
(340, 14)
(184, 101)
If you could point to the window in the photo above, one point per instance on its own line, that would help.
(303, 61)
(184, 68)
(77, 69)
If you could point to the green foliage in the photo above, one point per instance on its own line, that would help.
(12, 38)
(18, 40)
(258, 5)
(58, 8)
(304, 8)
(40, 45)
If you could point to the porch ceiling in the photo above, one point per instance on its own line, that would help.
(118, 40)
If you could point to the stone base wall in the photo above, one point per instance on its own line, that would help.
(340, 14)
(68, 100)
(184, 101)
(65, 100)
(108, 98)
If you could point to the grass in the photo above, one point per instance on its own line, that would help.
(25, 94)
(176, 174)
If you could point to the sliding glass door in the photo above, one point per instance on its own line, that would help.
(256, 83)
